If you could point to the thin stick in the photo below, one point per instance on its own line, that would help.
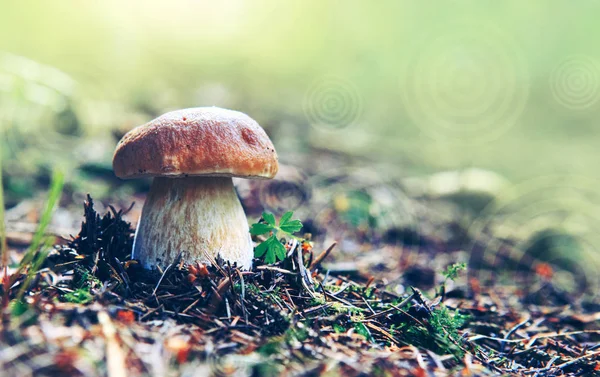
(321, 256)
(540, 336)
(512, 331)
(243, 295)
(393, 308)
(563, 365)
(151, 312)
(273, 268)
(191, 306)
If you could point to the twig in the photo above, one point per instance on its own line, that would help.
(563, 365)
(341, 300)
(368, 306)
(243, 295)
(539, 336)
(115, 358)
(304, 275)
(383, 332)
(393, 307)
(191, 306)
(151, 312)
(218, 297)
(277, 269)
(321, 257)
(169, 267)
(511, 331)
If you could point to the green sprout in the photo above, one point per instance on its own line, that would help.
(453, 270)
(271, 248)
(451, 273)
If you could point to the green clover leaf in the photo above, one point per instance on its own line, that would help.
(260, 228)
(269, 218)
(272, 249)
(291, 227)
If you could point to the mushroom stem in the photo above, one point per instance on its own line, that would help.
(197, 215)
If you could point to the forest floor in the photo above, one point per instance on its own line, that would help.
(386, 284)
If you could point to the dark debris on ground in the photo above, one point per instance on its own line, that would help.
(91, 310)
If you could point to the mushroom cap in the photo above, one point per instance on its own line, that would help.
(193, 142)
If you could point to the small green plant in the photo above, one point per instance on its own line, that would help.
(441, 331)
(85, 278)
(452, 271)
(447, 323)
(440, 334)
(271, 248)
(84, 281)
(38, 250)
(79, 296)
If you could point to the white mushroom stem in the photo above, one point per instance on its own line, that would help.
(197, 215)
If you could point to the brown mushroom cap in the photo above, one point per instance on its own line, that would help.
(206, 141)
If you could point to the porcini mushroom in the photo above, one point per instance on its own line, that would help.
(192, 206)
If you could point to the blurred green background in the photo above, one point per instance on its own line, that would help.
(452, 98)
(509, 86)
(512, 86)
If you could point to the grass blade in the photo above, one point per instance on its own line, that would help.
(40, 239)
(3, 246)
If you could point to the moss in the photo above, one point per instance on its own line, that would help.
(361, 329)
(293, 334)
(79, 296)
(272, 347)
(441, 336)
(343, 309)
(84, 278)
(442, 319)
(318, 299)
(339, 329)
